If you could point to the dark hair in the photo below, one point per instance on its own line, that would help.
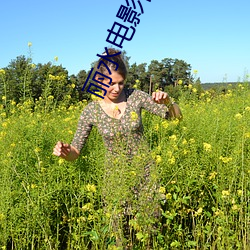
(118, 59)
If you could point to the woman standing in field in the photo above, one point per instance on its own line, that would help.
(118, 119)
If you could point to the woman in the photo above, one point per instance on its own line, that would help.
(118, 119)
(118, 103)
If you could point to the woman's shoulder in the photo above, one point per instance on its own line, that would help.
(90, 107)
(135, 93)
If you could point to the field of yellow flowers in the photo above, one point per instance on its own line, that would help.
(203, 162)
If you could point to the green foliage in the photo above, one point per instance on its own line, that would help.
(203, 164)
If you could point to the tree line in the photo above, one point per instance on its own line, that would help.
(23, 79)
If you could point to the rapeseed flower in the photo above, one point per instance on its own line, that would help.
(164, 124)
(198, 212)
(173, 137)
(225, 159)
(168, 196)
(134, 116)
(29, 44)
(162, 190)
(2, 72)
(225, 193)
(158, 159)
(235, 207)
(212, 175)
(194, 90)
(207, 147)
(195, 71)
(56, 58)
(3, 97)
(91, 188)
(239, 192)
(171, 160)
(180, 82)
(238, 116)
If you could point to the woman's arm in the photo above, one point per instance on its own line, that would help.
(70, 152)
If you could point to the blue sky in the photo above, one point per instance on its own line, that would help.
(212, 36)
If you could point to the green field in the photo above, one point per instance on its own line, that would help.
(203, 162)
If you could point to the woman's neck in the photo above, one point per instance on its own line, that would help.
(121, 98)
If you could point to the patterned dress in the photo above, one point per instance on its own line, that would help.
(128, 183)
(128, 129)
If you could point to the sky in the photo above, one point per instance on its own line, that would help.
(212, 36)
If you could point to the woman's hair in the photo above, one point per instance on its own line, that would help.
(118, 59)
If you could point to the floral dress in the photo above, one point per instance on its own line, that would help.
(125, 182)
(128, 128)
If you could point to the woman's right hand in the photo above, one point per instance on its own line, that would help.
(62, 149)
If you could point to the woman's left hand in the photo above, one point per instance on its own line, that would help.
(161, 97)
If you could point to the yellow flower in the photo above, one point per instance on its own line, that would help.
(225, 159)
(164, 124)
(56, 58)
(225, 193)
(198, 212)
(171, 160)
(13, 103)
(212, 175)
(135, 86)
(184, 141)
(180, 82)
(73, 85)
(29, 44)
(33, 186)
(195, 71)
(191, 140)
(2, 217)
(4, 124)
(3, 97)
(33, 66)
(247, 135)
(156, 127)
(162, 190)
(158, 159)
(91, 188)
(95, 97)
(194, 90)
(137, 81)
(173, 137)
(51, 77)
(2, 72)
(87, 207)
(60, 161)
(238, 116)
(168, 196)
(239, 192)
(50, 97)
(37, 149)
(133, 116)
(207, 147)
(190, 86)
(247, 108)
(235, 207)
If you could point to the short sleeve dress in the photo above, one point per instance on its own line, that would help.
(128, 128)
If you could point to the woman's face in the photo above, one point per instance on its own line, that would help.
(116, 87)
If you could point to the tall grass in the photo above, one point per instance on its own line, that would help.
(203, 162)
